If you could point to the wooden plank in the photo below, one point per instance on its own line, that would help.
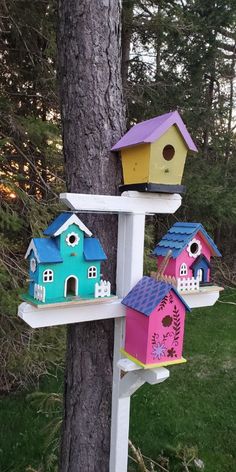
(126, 365)
(69, 314)
(74, 302)
(150, 187)
(207, 296)
(155, 376)
(128, 202)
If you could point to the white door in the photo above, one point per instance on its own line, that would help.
(71, 286)
(200, 275)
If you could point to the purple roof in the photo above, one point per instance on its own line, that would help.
(146, 295)
(151, 130)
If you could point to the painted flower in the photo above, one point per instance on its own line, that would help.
(167, 321)
(155, 337)
(158, 350)
(171, 352)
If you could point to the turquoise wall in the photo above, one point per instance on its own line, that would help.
(73, 265)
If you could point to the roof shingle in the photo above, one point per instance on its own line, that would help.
(178, 237)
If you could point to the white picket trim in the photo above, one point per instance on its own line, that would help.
(187, 284)
(102, 289)
(39, 292)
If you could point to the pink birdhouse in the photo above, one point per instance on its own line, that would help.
(184, 255)
(155, 316)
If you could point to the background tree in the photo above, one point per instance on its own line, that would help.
(31, 172)
(92, 111)
(183, 57)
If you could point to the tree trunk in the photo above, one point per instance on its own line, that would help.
(93, 118)
(208, 124)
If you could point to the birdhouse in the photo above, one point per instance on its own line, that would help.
(184, 256)
(153, 154)
(65, 265)
(155, 315)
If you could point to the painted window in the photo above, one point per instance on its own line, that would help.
(72, 239)
(33, 264)
(183, 269)
(48, 275)
(194, 248)
(92, 272)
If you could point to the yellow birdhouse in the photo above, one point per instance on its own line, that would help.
(153, 154)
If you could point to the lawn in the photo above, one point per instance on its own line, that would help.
(196, 407)
(24, 434)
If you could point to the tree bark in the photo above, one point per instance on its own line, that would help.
(93, 119)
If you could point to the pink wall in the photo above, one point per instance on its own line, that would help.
(159, 337)
(168, 324)
(136, 334)
(173, 267)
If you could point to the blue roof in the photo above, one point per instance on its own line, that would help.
(47, 250)
(178, 237)
(147, 294)
(93, 250)
(57, 223)
(199, 261)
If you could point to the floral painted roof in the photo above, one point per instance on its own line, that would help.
(146, 295)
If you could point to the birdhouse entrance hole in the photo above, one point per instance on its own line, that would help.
(72, 238)
(194, 248)
(71, 286)
(168, 152)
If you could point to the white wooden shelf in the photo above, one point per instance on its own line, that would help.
(128, 202)
(207, 296)
(126, 365)
(67, 314)
(61, 315)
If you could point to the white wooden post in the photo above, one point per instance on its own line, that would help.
(129, 270)
(131, 207)
(130, 251)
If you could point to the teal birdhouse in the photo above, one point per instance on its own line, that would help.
(66, 264)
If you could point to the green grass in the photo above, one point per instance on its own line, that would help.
(196, 406)
(23, 438)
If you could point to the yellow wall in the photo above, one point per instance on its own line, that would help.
(161, 170)
(135, 163)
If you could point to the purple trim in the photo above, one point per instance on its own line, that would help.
(151, 130)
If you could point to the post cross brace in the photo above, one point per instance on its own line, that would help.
(133, 380)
